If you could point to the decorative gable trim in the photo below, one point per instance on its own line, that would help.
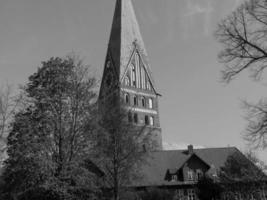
(144, 65)
(194, 154)
(128, 64)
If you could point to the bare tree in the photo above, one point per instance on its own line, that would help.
(256, 130)
(244, 35)
(252, 156)
(123, 147)
(9, 103)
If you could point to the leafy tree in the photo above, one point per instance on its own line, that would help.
(240, 176)
(208, 189)
(50, 142)
(243, 35)
(251, 155)
(120, 145)
(157, 194)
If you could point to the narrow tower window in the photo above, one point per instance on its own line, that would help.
(150, 103)
(137, 64)
(127, 99)
(143, 102)
(130, 117)
(143, 79)
(135, 101)
(146, 120)
(151, 121)
(135, 118)
(133, 76)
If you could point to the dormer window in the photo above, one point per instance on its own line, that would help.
(174, 177)
(199, 174)
(190, 175)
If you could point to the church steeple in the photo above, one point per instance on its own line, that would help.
(127, 71)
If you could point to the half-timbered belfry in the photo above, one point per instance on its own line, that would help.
(127, 74)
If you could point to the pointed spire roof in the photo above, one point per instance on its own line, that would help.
(125, 37)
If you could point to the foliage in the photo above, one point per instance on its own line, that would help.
(241, 176)
(208, 189)
(256, 129)
(239, 168)
(50, 139)
(9, 103)
(252, 156)
(156, 194)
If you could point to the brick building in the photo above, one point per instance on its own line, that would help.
(128, 76)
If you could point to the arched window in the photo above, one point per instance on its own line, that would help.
(135, 118)
(135, 101)
(130, 117)
(133, 76)
(150, 103)
(137, 68)
(143, 102)
(143, 78)
(127, 81)
(151, 121)
(127, 99)
(146, 120)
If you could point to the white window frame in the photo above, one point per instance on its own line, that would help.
(191, 195)
(151, 121)
(150, 103)
(190, 175)
(174, 177)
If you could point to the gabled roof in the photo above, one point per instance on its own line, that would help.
(125, 37)
(159, 162)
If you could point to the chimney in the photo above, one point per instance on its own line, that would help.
(190, 149)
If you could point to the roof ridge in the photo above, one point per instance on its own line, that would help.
(206, 148)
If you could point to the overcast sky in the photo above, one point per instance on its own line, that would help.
(195, 108)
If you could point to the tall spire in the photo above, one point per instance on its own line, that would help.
(127, 73)
(125, 33)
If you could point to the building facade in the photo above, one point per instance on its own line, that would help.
(127, 80)
(127, 77)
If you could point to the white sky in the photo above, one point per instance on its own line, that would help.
(195, 108)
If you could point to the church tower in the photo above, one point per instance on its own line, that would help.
(127, 74)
